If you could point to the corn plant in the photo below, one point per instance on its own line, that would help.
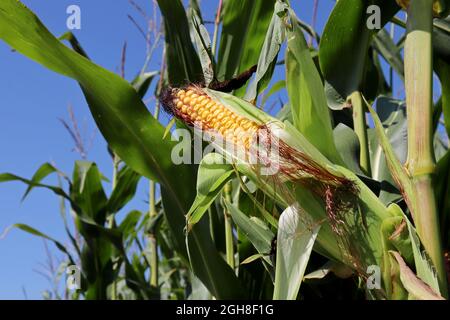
(356, 193)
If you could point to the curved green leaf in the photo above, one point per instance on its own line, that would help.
(183, 63)
(244, 26)
(255, 230)
(131, 131)
(213, 174)
(416, 287)
(345, 42)
(274, 38)
(125, 189)
(294, 245)
(45, 170)
(307, 99)
(38, 233)
(347, 144)
(143, 81)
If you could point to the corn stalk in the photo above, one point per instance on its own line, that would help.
(421, 161)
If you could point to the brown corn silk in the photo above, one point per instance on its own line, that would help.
(195, 108)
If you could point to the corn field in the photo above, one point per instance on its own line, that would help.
(291, 167)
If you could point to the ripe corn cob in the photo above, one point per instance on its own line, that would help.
(236, 120)
(193, 106)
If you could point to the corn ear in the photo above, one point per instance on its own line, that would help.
(325, 192)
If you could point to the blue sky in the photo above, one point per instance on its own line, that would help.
(32, 100)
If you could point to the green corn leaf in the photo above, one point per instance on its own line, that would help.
(199, 291)
(395, 167)
(183, 63)
(7, 177)
(347, 144)
(275, 36)
(306, 95)
(252, 258)
(244, 26)
(294, 245)
(131, 131)
(203, 44)
(212, 177)
(45, 170)
(416, 287)
(257, 232)
(113, 113)
(278, 86)
(38, 233)
(207, 264)
(143, 81)
(443, 70)
(125, 189)
(76, 45)
(393, 286)
(391, 53)
(88, 193)
(129, 224)
(392, 114)
(442, 189)
(345, 42)
(424, 269)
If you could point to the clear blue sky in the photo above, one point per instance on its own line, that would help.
(32, 100)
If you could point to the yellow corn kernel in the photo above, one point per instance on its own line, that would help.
(233, 127)
(246, 125)
(242, 122)
(213, 109)
(187, 100)
(209, 118)
(221, 115)
(205, 115)
(222, 130)
(225, 120)
(217, 125)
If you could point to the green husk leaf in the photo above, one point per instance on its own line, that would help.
(416, 287)
(294, 245)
